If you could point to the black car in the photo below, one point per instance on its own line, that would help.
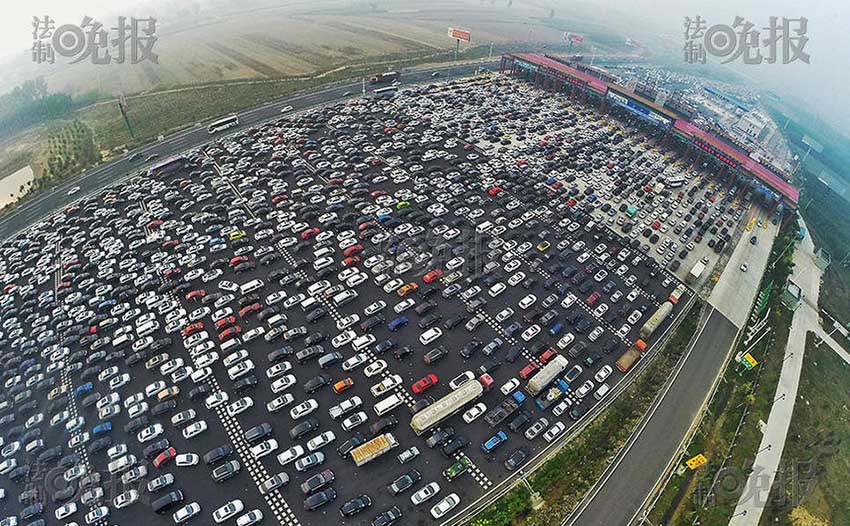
(245, 384)
(317, 482)
(152, 450)
(434, 355)
(100, 444)
(317, 382)
(345, 448)
(516, 459)
(387, 518)
(454, 445)
(257, 433)
(214, 455)
(355, 506)
(227, 470)
(383, 425)
(319, 499)
(384, 346)
(404, 482)
(302, 428)
(403, 352)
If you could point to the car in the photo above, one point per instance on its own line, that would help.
(319, 499)
(554, 430)
(226, 471)
(252, 517)
(274, 482)
(493, 442)
(517, 458)
(227, 511)
(474, 412)
(185, 513)
(404, 482)
(424, 383)
(355, 506)
(388, 517)
(444, 506)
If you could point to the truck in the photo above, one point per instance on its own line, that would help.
(625, 362)
(509, 405)
(385, 78)
(695, 273)
(656, 319)
(446, 406)
(552, 395)
(545, 375)
(373, 449)
(676, 295)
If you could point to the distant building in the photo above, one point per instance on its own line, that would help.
(792, 295)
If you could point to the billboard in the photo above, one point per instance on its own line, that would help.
(460, 34)
(639, 109)
(574, 39)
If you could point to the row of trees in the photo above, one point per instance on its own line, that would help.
(32, 103)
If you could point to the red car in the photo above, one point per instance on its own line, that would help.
(365, 226)
(378, 193)
(249, 309)
(164, 457)
(433, 276)
(229, 333)
(425, 383)
(225, 322)
(352, 250)
(172, 272)
(494, 191)
(236, 260)
(196, 295)
(193, 328)
(528, 370)
(547, 355)
(309, 233)
(171, 243)
(350, 262)
(156, 223)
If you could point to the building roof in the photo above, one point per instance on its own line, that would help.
(596, 84)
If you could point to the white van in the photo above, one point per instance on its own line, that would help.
(484, 227)
(309, 304)
(146, 329)
(602, 391)
(251, 286)
(429, 336)
(387, 404)
(230, 344)
(122, 340)
(361, 342)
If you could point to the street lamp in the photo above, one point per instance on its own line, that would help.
(766, 448)
(778, 398)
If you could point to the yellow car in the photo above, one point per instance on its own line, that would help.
(237, 234)
(543, 246)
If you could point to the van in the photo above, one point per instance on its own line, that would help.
(361, 342)
(344, 297)
(230, 344)
(309, 304)
(166, 502)
(251, 286)
(148, 328)
(484, 227)
(387, 404)
(602, 391)
(122, 340)
(329, 359)
(276, 320)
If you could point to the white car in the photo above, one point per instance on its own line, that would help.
(290, 454)
(425, 493)
(343, 338)
(303, 409)
(354, 420)
(240, 405)
(554, 430)
(509, 386)
(194, 429)
(97, 514)
(228, 510)
(278, 369)
(186, 459)
(264, 448)
(344, 407)
(186, 512)
(375, 368)
(527, 301)
(276, 404)
(430, 336)
(404, 305)
(530, 332)
(446, 504)
(385, 385)
(461, 379)
(321, 440)
(603, 373)
(149, 433)
(252, 517)
(471, 414)
(66, 510)
(357, 360)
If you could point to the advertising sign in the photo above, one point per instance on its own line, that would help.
(639, 109)
(460, 34)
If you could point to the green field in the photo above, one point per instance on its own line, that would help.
(811, 488)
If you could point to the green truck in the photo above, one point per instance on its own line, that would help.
(458, 468)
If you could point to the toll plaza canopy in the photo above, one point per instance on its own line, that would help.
(730, 155)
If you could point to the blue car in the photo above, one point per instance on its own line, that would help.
(398, 323)
(101, 429)
(83, 389)
(494, 441)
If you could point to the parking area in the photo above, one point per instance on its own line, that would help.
(214, 341)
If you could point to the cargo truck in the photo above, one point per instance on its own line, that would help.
(656, 319)
(446, 406)
(373, 449)
(695, 273)
(498, 414)
(552, 395)
(625, 362)
(676, 295)
(545, 375)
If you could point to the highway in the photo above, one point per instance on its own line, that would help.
(32, 211)
(625, 484)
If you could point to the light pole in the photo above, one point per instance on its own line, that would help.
(778, 398)
(765, 448)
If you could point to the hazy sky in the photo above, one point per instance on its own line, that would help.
(822, 84)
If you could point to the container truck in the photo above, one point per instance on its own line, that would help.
(545, 375)
(656, 319)
(625, 362)
(373, 449)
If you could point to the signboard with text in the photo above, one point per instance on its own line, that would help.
(460, 34)
(639, 109)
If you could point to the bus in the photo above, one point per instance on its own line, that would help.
(385, 78)
(223, 123)
(388, 92)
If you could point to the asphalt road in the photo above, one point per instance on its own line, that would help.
(636, 469)
(181, 141)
